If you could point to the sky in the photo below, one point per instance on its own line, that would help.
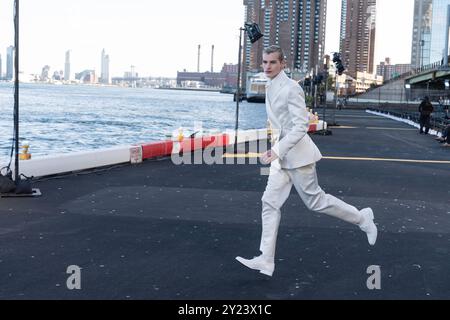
(160, 38)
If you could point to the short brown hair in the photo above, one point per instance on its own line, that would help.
(275, 49)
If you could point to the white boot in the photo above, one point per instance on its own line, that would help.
(368, 226)
(265, 265)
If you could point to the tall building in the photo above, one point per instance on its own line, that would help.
(421, 41)
(86, 76)
(298, 26)
(104, 75)
(67, 75)
(45, 73)
(357, 47)
(428, 32)
(9, 63)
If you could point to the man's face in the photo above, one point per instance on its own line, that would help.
(272, 64)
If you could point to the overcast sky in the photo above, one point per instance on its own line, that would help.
(161, 37)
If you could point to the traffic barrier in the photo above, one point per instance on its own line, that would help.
(189, 145)
(157, 149)
(77, 161)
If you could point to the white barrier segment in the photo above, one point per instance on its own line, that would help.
(50, 165)
(247, 135)
(407, 121)
(231, 134)
(136, 154)
(262, 134)
(321, 125)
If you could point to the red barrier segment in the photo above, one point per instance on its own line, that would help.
(190, 145)
(157, 149)
(164, 148)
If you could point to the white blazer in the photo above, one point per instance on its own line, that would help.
(289, 119)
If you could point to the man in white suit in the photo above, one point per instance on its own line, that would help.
(293, 162)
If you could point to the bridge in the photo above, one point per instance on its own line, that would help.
(410, 87)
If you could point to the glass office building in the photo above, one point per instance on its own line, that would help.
(428, 32)
(438, 30)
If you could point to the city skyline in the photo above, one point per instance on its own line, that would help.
(163, 41)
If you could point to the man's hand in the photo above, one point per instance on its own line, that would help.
(269, 157)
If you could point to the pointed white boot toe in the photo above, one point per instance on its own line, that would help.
(368, 226)
(264, 265)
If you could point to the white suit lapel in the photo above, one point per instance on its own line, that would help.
(270, 111)
(276, 87)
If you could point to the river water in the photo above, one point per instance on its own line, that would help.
(57, 119)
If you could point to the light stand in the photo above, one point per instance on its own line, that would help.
(407, 94)
(254, 34)
(325, 132)
(23, 188)
(327, 75)
(339, 71)
(16, 91)
(238, 91)
(336, 94)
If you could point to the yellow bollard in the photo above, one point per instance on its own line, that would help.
(25, 155)
(180, 134)
(316, 118)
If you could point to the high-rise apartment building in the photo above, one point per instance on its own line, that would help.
(298, 26)
(9, 63)
(67, 75)
(105, 77)
(357, 45)
(430, 21)
(420, 51)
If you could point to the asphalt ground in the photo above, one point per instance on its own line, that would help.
(159, 231)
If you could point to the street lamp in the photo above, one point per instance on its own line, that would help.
(339, 71)
(254, 34)
(22, 187)
(407, 93)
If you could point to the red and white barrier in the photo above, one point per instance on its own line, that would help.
(318, 126)
(78, 161)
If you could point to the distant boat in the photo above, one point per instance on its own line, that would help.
(228, 90)
(256, 87)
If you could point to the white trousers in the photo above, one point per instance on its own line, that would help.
(306, 183)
